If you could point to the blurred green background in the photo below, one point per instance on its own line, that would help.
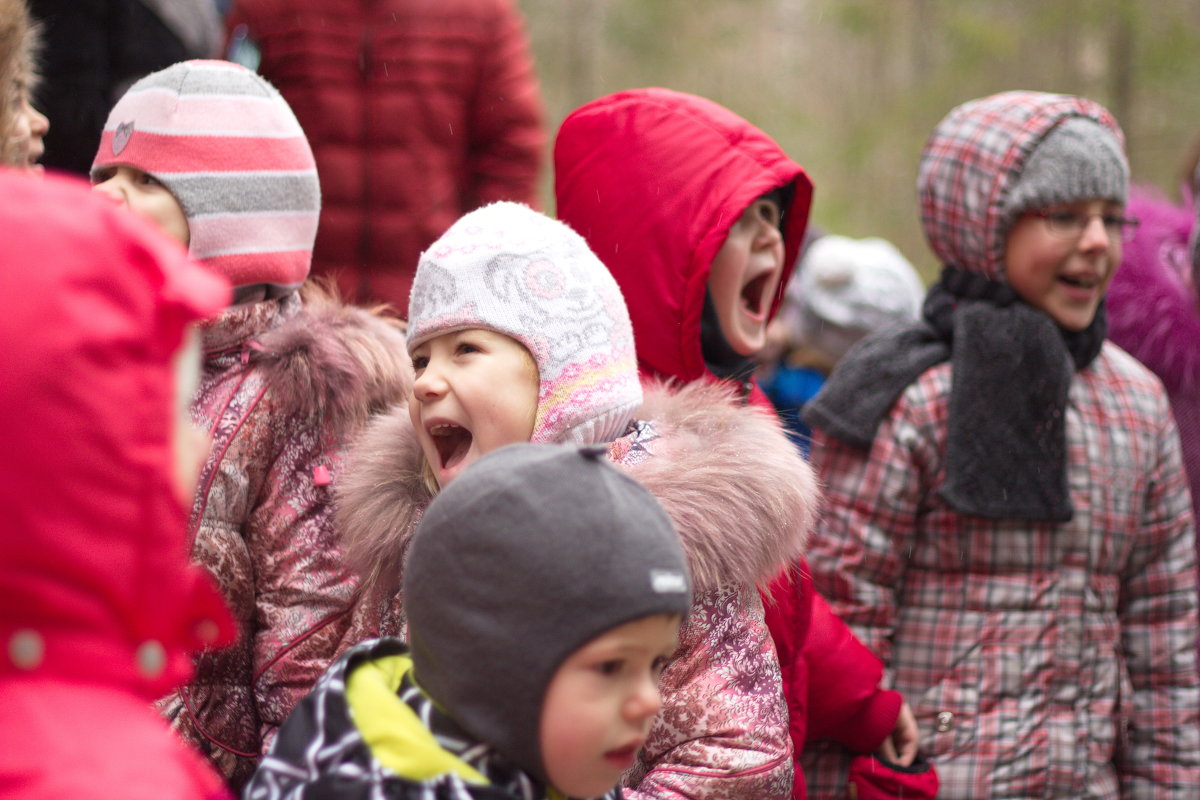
(851, 88)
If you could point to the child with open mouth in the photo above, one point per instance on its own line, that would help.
(699, 216)
(518, 333)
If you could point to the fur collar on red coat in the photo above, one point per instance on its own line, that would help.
(334, 362)
(737, 490)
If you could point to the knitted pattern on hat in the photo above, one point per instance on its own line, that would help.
(509, 269)
(847, 288)
(229, 148)
(1079, 159)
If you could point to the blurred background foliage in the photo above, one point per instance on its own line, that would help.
(851, 88)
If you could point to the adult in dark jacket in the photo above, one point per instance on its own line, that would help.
(95, 49)
(417, 112)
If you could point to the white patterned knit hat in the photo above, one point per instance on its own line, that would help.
(847, 288)
(509, 269)
(228, 147)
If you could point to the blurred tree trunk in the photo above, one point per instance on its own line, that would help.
(1121, 68)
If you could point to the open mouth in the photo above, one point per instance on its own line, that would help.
(1080, 281)
(452, 443)
(753, 295)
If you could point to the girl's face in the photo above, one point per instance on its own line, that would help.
(745, 274)
(141, 193)
(475, 391)
(1061, 259)
(30, 126)
(600, 703)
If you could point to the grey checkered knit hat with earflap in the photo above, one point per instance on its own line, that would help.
(509, 269)
(530, 554)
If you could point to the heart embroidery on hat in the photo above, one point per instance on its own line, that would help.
(121, 137)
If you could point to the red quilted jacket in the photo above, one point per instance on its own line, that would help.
(657, 222)
(418, 111)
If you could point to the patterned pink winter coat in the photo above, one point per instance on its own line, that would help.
(1042, 659)
(285, 383)
(742, 500)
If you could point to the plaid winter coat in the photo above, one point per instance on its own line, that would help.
(1042, 660)
(285, 383)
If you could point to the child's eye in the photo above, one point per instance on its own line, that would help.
(610, 667)
(466, 347)
(419, 363)
(769, 212)
(659, 665)
(149, 180)
(101, 175)
(1064, 218)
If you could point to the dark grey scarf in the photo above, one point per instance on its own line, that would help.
(1012, 369)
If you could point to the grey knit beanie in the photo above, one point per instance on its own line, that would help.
(531, 553)
(509, 269)
(1079, 159)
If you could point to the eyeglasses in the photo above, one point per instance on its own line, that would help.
(1072, 224)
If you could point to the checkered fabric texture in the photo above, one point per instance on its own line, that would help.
(963, 204)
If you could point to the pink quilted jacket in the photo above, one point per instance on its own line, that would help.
(723, 729)
(285, 383)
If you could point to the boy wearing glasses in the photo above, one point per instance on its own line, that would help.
(1008, 522)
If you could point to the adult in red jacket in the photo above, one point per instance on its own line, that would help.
(99, 609)
(656, 181)
(417, 113)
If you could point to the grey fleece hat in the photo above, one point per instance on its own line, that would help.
(1079, 159)
(531, 553)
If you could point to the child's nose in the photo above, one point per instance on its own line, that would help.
(768, 235)
(645, 702)
(39, 122)
(1095, 236)
(429, 384)
(110, 190)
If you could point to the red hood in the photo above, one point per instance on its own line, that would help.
(654, 179)
(94, 579)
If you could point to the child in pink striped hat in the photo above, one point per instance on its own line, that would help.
(213, 154)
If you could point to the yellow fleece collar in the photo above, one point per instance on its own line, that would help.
(391, 729)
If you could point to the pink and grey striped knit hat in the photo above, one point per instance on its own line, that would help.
(509, 269)
(229, 148)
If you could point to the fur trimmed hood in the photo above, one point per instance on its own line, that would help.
(738, 491)
(740, 494)
(335, 362)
